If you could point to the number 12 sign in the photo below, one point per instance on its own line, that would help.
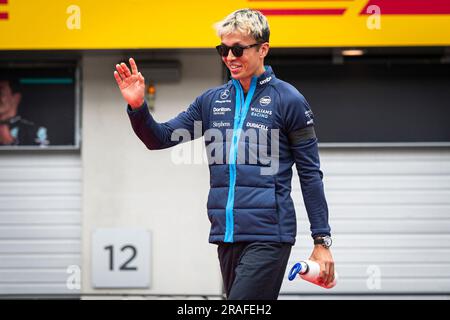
(120, 258)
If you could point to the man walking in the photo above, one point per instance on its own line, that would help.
(252, 214)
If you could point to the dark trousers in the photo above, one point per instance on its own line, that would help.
(253, 270)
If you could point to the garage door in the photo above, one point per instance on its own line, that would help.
(40, 205)
(390, 218)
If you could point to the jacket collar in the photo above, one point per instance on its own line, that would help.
(266, 77)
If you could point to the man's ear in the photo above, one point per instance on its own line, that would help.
(264, 50)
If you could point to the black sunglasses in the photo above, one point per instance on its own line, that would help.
(237, 50)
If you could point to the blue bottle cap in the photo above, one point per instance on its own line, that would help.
(294, 270)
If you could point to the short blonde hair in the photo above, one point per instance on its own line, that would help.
(247, 21)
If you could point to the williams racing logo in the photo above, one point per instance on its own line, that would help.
(260, 113)
(265, 101)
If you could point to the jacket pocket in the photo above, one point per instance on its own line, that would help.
(256, 221)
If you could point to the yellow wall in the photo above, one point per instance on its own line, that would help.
(106, 24)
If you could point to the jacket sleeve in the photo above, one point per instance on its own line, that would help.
(299, 127)
(165, 135)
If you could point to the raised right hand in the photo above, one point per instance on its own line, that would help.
(131, 84)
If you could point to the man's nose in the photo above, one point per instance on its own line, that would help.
(230, 56)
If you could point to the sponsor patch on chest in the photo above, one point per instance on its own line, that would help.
(260, 112)
(221, 124)
(255, 125)
(221, 110)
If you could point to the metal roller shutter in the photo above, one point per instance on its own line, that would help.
(40, 216)
(390, 218)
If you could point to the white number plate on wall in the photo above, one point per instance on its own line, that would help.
(120, 258)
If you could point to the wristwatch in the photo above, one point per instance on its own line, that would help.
(325, 241)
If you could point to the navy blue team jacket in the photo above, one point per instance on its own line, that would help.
(270, 128)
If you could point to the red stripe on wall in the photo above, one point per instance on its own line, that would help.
(410, 6)
(3, 1)
(3, 15)
(301, 12)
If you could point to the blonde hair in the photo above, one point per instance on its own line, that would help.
(247, 21)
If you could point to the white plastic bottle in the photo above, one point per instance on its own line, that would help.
(309, 270)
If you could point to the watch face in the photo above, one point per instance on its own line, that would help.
(327, 241)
